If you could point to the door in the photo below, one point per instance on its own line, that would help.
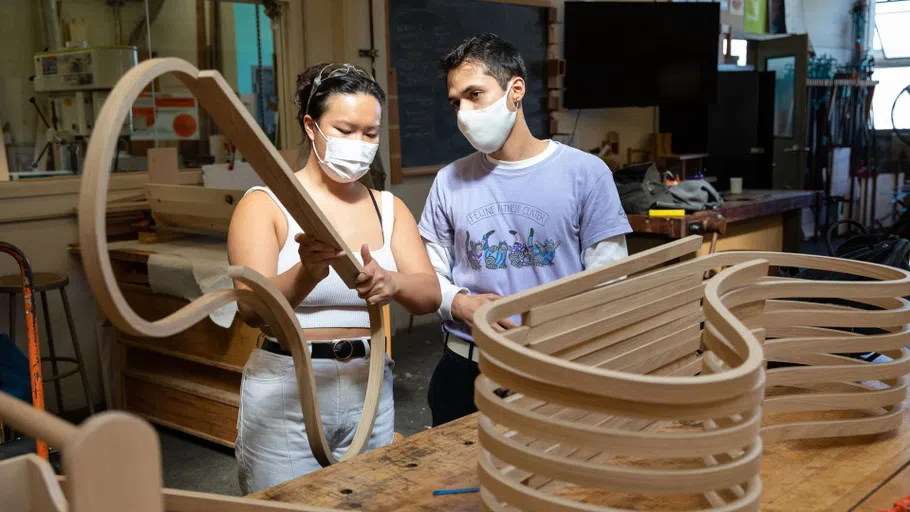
(788, 58)
(733, 131)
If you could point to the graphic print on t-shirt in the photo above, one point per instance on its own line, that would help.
(492, 254)
(498, 255)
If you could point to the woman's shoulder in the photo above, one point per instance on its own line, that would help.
(259, 200)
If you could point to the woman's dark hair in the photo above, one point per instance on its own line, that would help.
(351, 82)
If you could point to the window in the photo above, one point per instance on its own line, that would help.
(891, 21)
(891, 81)
(737, 49)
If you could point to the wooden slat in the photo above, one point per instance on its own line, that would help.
(4, 163)
(617, 291)
(614, 319)
(394, 120)
(145, 361)
(177, 409)
(644, 339)
(645, 328)
(421, 171)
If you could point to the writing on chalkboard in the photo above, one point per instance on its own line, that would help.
(421, 33)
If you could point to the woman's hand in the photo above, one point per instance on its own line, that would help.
(315, 256)
(375, 284)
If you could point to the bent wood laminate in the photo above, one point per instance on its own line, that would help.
(236, 122)
(656, 384)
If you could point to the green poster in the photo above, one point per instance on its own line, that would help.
(756, 16)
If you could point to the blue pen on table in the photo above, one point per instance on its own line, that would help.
(439, 492)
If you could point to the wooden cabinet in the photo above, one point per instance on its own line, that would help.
(190, 381)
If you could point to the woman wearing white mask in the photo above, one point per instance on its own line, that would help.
(339, 109)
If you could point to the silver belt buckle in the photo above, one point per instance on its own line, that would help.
(339, 350)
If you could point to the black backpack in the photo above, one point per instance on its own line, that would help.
(884, 249)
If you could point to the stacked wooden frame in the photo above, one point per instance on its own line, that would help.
(649, 390)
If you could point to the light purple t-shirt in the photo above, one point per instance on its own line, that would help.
(513, 229)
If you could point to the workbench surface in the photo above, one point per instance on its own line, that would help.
(751, 204)
(863, 473)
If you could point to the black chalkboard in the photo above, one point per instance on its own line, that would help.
(420, 33)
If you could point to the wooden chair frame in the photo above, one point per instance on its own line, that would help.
(216, 97)
(599, 374)
(112, 463)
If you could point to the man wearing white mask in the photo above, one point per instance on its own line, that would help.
(518, 213)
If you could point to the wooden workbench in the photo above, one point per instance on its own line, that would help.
(864, 473)
(767, 220)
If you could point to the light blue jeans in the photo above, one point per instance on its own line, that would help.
(272, 445)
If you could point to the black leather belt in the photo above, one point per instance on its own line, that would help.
(340, 350)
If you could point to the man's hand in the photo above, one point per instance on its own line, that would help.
(464, 306)
(375, 284)
(316, 256)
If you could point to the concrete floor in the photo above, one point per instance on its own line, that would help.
(196, 465)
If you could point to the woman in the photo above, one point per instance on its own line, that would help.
(339, 108)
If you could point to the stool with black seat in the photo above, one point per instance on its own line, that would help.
(11, 285)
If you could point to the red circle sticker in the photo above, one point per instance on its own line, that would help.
(184, 125)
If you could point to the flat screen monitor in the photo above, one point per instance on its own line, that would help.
(632, 54)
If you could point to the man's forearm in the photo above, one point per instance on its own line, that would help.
(416, 292)
(442, 264)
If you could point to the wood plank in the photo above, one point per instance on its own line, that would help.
(421, 171)
(394, 120)
(4, 163)
(36, 187)
(163, 168)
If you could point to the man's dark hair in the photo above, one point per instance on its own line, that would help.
(501, 59)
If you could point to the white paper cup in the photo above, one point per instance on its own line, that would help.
(736, 185)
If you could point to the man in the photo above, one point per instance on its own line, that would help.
(517, 214)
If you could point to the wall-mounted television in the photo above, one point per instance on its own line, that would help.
(633, 54)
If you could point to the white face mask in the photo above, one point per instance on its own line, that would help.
(346, 160)
(488, 128)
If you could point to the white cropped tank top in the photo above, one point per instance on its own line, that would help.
(332, 303)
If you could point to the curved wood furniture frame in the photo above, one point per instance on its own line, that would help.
(601, 375)
(217, 98)
(111, 463)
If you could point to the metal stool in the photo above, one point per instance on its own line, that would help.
(45, 281)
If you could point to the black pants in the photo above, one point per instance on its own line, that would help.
(451, 392)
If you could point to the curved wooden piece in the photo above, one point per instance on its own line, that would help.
(214, 94)
(600, 371)
(571, 423)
